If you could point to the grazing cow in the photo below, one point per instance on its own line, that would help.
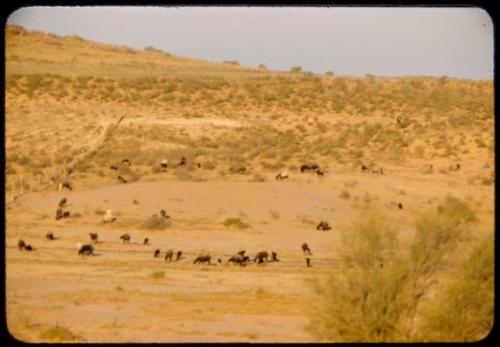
(274, 256)
(364, 168)
(28, 248)
(126, 162)
(169, 255)
(125, 238)
(164, 164)
(199, 165)
(282, 175)
(50, 236)
(203, 258)
(121, 179)
(157, 253)
(313, 167)
(66, 185)
(65, 214)
(319, 172)
(323, 226)
(304, 168)
(242, 252)
(183, 161)
(245, 260)
(400, 206)
(236, 259)
(62, 202)
(178, 256)
(21, 244)
(146, 241)
(164, 214)
(308, 262)
(87, 249)
(93, 237)
(59, 213)
(260, 257)
(113, 167)
(219, 260)
(241, 170)
(108, 217)
(306, 249)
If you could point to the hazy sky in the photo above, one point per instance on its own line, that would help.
(455, 42)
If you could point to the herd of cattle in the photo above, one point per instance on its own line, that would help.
(241, 258)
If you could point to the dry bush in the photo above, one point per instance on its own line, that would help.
(58, 334)
(378, 289)
(156, 223)
(236, 223)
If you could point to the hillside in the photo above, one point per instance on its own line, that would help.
(420, 139)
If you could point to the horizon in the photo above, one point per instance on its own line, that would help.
(474, 42)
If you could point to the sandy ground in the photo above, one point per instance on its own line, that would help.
(114, 297)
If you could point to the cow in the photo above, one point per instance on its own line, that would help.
(282, 175)
(183, 161)
(203, 258)
(146, 241)
(65, 214)
(364, 168)
(306, 249)
(126, 162)
(50, 236)
(274, 256)
(28, 248)
(308, 262)
(87, 249)
(93, 237)
(21, 244)
(235, 259)
(121, 179)
(164, 214)
(304, 168)
(242, 252)
(66, 185)
(59, 213)
(62, 202)
(169, 255)
(157, 253)
(400, 206)
(114, 167)
(125, 238)
(178, 256)
(164, 164)
(108, 217)
(260, 257)
(319, 172)
(323, 226)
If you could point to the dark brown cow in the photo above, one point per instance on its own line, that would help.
(65, 214)
(308, 262)
(21, 244)
(113, 167)
(164, 214)
(400, 206)
(93, 237)
(86, 250)
(59, 213)
(62, 202)
(28, 248)
(274, 256)
(304, 168)
(146, 241)
(203, 258)
(183, 161)
(157, 253)
(178, 256)
(125, 238)
(306, 249)
(260, 257)
(169, 255)
(323, 226)
(126, 162)
(50, 236)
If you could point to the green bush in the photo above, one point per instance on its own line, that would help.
(236, 223)
(377, 291)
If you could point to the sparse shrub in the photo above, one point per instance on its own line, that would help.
(344, 194)
(236, 223)
(258, 177)
(156, 223)
(99, 211)
(488, 181)
(58, 333)
(158, 275)
(275, 214)
(377, 291)
(296, 69)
